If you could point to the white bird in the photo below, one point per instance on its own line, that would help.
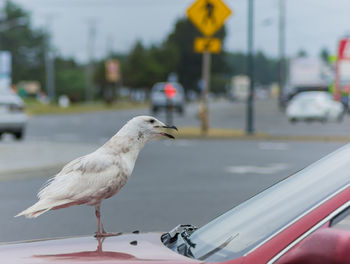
(101, 174)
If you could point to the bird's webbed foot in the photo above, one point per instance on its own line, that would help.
(106, 234)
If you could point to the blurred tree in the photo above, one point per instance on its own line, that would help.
(324, 55)
(108, 91)
(237, 63)
(135, 67)
(26, 44)
(189, 66)
(70, 79)
(266, 69)
(302, 53)
(143, 67)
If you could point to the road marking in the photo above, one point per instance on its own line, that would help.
(179, 142)
(273, 146)
(249, 169)
(69, 137)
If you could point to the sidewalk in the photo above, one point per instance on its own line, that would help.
(17, 157)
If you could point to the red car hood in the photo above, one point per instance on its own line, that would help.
(125, 248)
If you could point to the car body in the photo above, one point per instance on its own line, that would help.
(315, 105)
(160, 101)
(12, 116)
(304, 218)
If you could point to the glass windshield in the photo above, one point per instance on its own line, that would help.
(246, 226)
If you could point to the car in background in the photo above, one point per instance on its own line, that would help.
(304, 218)
(12, 116)
(315, 105)
(160, 101)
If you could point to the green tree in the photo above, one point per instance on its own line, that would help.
(190, 63)
(302, 53)
(26, 44)
(136, 67)
(266, 69)
(70, 79)
(324, 55)
(143, 67)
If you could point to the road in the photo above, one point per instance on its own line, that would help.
(173, 182)
(98, 127)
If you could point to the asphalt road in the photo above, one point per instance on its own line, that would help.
(173, 182)
(98, 127)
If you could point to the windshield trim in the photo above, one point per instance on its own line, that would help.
(311, 230)
(315, 182)
(298, 218)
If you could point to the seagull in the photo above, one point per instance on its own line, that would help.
(101, 174)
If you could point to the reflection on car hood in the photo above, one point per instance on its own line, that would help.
(125, 248)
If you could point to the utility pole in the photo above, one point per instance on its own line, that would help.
(109, 46)
(49, 61)
(204, 111)
(282, 52)
(90, 65)
(250, 63)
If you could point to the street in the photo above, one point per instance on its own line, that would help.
(99, 126)
(181, 181)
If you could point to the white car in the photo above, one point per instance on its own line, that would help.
(12, 116)
(307, 106)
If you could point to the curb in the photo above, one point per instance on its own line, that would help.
(236, 134)
(17, 174)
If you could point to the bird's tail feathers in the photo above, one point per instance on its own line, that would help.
(41, 207)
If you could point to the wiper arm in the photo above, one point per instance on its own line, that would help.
(172, 236)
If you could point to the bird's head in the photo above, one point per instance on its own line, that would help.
(148, 127)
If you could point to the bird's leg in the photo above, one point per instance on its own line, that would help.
(98, 216)
(100, 225)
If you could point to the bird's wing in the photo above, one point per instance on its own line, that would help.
(84, 178)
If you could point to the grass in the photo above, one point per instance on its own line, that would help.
(215, 133)
(33, 107)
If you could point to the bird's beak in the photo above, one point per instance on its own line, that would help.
(166, 134)
(171, 127)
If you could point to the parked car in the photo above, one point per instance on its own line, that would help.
(12, 116)
(159, 100)
(307, 106)
(303, 219)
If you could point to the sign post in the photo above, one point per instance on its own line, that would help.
(208, 16)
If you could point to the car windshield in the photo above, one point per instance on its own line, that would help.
(246, 226)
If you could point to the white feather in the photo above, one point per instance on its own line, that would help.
(98, 175)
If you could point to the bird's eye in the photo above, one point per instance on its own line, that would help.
(152, 121)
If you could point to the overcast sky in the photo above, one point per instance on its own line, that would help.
(310, 24)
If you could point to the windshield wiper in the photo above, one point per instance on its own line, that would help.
(180, 233)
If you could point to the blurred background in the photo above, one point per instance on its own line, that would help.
(72, 72)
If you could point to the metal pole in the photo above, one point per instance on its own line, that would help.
(169, 112)
(250, 63)
(204, 112)
(282, 51)
(90, 65)
(49, 62)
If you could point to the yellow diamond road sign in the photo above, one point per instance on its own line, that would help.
(212, 45)
(208, 15)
